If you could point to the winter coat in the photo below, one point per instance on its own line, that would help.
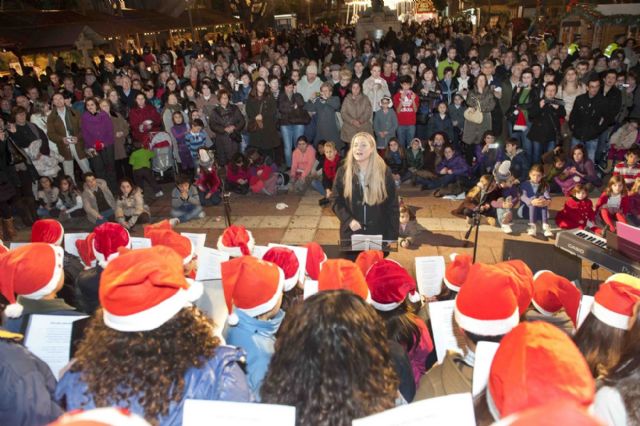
(223, 117)
(375, 95)
(120, 125)
(257, 338)
(28, 386)
(575, 214)
(137, 116)
(439, 124)
(97, 128)
(520, 165)
(415, 160)
(545, 123)
(89, 202)
(56, 132)
(587, 117)
(473, 132)
(485, 161)
(240, 173)
(625, 203)
(301, 164)
(418, 355)
(206, 106)
(452, 376)
(355, 109)
(384, 122)
(219, 379)
(131, 207)
(396, 163)
(327, 124)
(383, 218)
(612, 101)
(624, 138)
(456, 164)
(192, 198)
(292, 110)
(267, 137)
(457, 115)
(528, 193)
(87, 287)
(566, 181)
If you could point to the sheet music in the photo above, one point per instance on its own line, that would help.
(49, 338)
(259, 251)
(212, 303)
(455, 409)
(209, 261)
(200, 413)
(362, 242)
(16, 245)
(70, 242)
(197, 240)
(310, 288)
(585, 307)
(140, 243)
(301, 254)
(485, 351)
(445, 334)
(429, 274)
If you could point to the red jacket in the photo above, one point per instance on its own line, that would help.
(139, 115)
(575, 214)
(208, 182)
(240, 173)
(625, 203)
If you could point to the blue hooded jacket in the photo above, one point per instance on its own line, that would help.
(220, 379)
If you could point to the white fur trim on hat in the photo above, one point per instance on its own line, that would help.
(101, 260)
(609, 317)
(14, 310)
(157, 315)
(290, 283)
(450, 285)
(492, 406)
(415, 297)
(487, 327)
(189, 257)
(540, 272)
(59, 240)
(385, 307)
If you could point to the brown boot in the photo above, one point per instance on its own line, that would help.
(10, 231)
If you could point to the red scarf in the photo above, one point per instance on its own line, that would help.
(330, 168)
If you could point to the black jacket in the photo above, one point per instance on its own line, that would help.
(380, 219)
(587, 117)
(223, 117)
(292, 110)
(612, 105)
(87, 286)
(545, 122)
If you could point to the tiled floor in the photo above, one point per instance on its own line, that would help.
(303, 220)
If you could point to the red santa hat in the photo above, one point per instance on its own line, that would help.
(162, 225)
(142, 289)
(536, 363)
(551, 292)
(315, 259)
(236, 241)
(100, 417)
(487, 304)
(48, 231)
(169, 238)
(389, 284)
(456, 271)
(286, 260)
(560, 412)
(108, 238)
(253, 286)
(342, 274)
(520, 124)
(367, 258)
(615, 299)
(31, 271)
(85, 250)
(523, 282)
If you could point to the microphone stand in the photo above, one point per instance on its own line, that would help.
(475, 220)
(226, 195)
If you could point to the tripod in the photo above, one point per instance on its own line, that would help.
(475, 221)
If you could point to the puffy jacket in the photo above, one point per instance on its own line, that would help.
(27, 387)
(219, 379)
(131, 207)
(456, 163)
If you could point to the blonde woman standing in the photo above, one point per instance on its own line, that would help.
(364, 194)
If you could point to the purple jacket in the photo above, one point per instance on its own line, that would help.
(456, 164)
(97, 127)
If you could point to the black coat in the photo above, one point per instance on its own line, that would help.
(223, 117)
(380, 219)
(87, 286)
(587, 117)
(545, 122)
(292, 110)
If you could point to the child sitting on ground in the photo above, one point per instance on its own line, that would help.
(302, 160)
(577, 211)
(622, 140)
(555, 169)
(207, 181)
(518, 158)
(415, 158)
(262, 177)
(238, 174)
(396, 160)
(329, 169)
(185, 202)
(484, 191)
(629, 169)
(47, 198)
(613, 205)
(633, 216)
(536, 199)
(408, 227)
(507, 197)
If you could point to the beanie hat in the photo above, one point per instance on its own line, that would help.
(456, 271)
(560, 412)
(367, 258)
(487, 304)
(551, 292)
(85, 250)
(537, 363)
(236, 241)
(108, 238)
(286, 260)
(523, 281)
(520, 124)
(502, 171)
(252, 285)
(100, 417)
(162, 225)
(342, 274)
(169, 238)
(315, 258)
(615, 299)
(386, 98)
(142, 289)
(48, 231)
(389, 284)
(31, 271)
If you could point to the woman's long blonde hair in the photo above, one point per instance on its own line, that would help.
(375, 192)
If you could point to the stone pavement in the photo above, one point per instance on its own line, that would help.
(304, 220)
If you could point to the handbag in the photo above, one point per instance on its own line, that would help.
(474, 115)
(256, 125)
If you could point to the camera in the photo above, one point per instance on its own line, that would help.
(554, 101)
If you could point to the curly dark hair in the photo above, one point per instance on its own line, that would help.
(331, 362)
(149, 365)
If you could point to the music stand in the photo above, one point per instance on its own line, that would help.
(367, 242)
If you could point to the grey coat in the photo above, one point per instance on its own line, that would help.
(327, 127)
(472, 131)
(355, 109)
(384, 123)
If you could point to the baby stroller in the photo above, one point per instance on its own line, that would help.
(163, 163)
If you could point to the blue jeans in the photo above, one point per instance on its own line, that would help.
(290, 135)
(186, 212)
(106, 215)
(214, 200)
(405, 134)
(591, 146)
(539, 149)
(438, 182)
(525, 142)
(603, 146)
(317, 185)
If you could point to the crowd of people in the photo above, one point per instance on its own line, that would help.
(501, 125)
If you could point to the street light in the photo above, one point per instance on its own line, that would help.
(189, 6)
(309, 12)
